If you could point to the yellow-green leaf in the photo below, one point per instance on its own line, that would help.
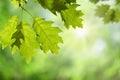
(29, 44)
(8, 31)
(47, 35)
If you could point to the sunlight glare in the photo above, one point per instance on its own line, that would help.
(81, 33)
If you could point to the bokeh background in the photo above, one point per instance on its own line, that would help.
(88, 53)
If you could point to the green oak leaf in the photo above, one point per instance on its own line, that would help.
(29, 44)
(59, 5)
(109, 16)
(71, 16)
(47, 35)
(55, 5)
(102, 10)
(8, 31)
(46, 3)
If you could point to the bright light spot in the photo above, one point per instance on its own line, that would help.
(98, 47)
(81, 32)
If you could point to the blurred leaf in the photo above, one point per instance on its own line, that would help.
(112, 16)
(94, 1)
(102, 10)
(117, 1)
(117, 15)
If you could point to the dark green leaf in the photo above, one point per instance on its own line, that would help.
(109, 16)
(94, 1)
(71, 16)
(18, 35)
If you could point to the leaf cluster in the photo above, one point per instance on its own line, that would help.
(26, 39)
(67, 9)
(107, 12)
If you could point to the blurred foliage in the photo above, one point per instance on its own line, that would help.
(4, 11)
(109, 10)
(88, 53)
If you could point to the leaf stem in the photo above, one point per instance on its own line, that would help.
(27, 12)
